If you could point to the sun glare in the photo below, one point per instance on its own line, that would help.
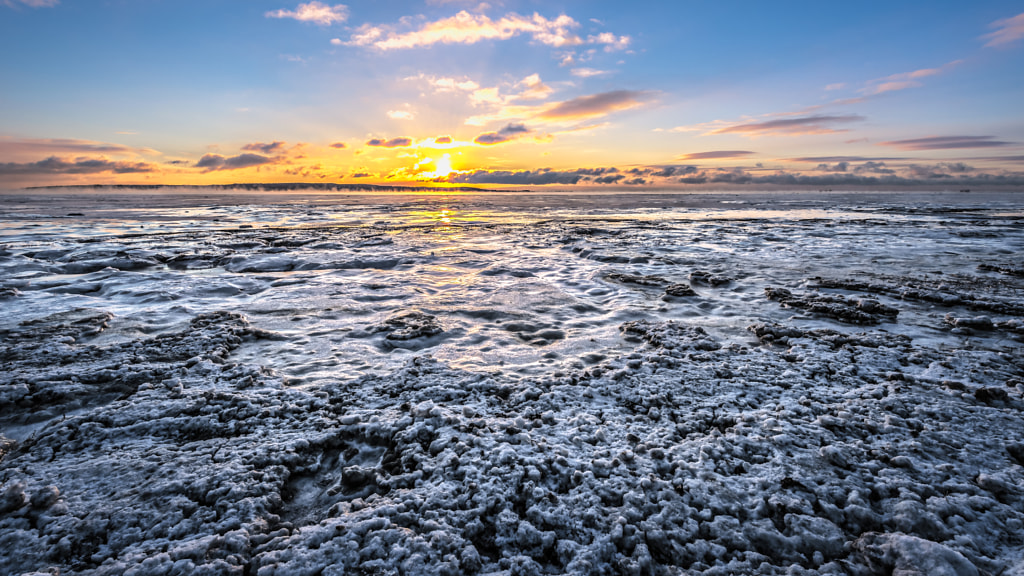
(444, 166)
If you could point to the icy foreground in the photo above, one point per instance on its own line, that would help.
(407, 392)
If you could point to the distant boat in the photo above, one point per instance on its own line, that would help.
(966, 190)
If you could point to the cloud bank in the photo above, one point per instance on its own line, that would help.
(55, 165)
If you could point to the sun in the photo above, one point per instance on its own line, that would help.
(443, 166)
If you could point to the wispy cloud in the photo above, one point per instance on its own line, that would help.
(271, 148)
(1007, 31)
(339, 145)
(715, 154)
(211, 162)
(16, 146)
(400, 115)
(31, 3)
(466, 28)
(315, 12)
(796, 126)
(400, 142)
(445, 84)
(564, 112)
(819, 159)
(946, 143)
(595, 105)
(904, 80)
(56, 165)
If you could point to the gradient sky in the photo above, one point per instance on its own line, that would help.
(513, 93)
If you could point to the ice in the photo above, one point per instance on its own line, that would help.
(473, 385)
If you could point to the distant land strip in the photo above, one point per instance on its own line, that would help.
(274, 187)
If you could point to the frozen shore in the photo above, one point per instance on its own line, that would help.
(645, 384)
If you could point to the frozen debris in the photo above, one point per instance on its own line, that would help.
(409, 325)
(664, 448)
(670, 335)
(851, 310)
(907, 556)
(942, 292)
(623, 278)
(977, 322)
(48, 372)
(708, 279)
(774, 333)
(680, 291)
(1002, 269)
(968, 324)
(741, 463)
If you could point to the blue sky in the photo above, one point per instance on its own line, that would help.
(645, 94)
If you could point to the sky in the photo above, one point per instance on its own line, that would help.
(586, 94)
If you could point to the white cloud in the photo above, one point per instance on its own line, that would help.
(315, 12)
(533, 88)
(466, 28)
(400, 115)
(611, 41)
